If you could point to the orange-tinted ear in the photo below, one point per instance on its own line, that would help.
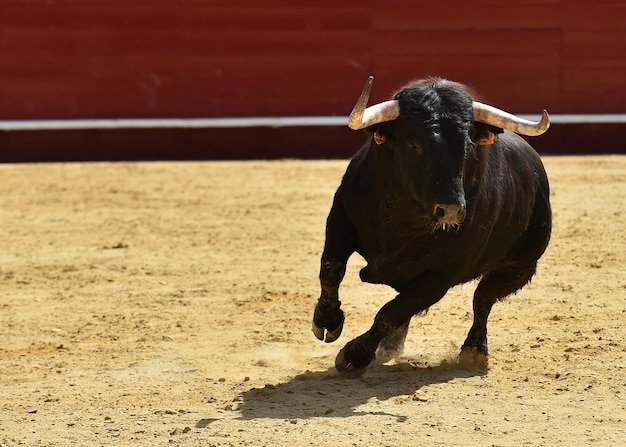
(379, 138)
(484, 133)
(489, 139)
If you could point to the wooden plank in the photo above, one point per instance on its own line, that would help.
(272, 4)
(41, 98)
(484, 5)
(289, 98)
(106, 97)
(596, 44)
(468, 66)
(275, 42)
(594, 83)
(289, 16)
(37, 42)
(42, 66)
(91, 14)
(598, 3)
(330, 90)
(601, 76)
(522, 84)
(600, 16)
(594, 102)
(114, 96)
(67, 42)
(475, 42)
(454, 15)
(272, 68)
(165, 43)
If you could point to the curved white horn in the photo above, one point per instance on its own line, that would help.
(363, 116)
(499, 118)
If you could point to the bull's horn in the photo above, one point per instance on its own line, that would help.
(363, 116)
(499, 118)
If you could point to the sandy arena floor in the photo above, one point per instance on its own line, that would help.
(170, 304)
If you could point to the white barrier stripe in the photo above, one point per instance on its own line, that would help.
(173, 123)
(593, 118)
(274, 122)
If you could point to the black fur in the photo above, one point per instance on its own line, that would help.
(386, 210)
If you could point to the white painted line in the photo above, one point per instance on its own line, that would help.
(174, 123)
(274, 122)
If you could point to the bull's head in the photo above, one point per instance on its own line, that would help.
(430, 126)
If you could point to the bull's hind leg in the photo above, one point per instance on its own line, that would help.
(392, 346)
(492, 287)
(520, 266)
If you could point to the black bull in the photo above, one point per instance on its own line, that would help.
(436, 197)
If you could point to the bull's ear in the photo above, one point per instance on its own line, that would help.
(379, 133)
(379, 138)
(483, 133)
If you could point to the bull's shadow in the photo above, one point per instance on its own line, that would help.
(326, 394)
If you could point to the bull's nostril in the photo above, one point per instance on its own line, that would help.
(440, 212)
(461, 214)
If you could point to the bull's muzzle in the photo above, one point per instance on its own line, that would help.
(448, 215)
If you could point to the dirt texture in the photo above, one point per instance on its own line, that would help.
(165, 303)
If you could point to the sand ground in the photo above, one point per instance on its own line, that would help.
(170, 304)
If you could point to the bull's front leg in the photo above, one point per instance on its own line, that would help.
(328, 317)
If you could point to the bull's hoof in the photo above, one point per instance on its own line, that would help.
(346, 368)
(327, 325)
(471, 358)
(328, 336)
(355, 357)
(318, 331)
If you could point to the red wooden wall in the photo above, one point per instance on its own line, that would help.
(193, 58)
